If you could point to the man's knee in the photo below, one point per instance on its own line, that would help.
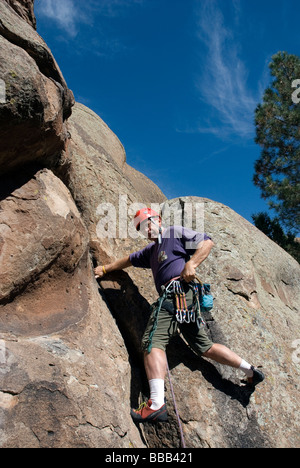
(209, 352)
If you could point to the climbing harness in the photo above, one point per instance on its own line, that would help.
(202, 301)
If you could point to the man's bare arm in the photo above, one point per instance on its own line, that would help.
(203, 250)
(121, 264)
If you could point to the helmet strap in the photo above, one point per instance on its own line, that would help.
(159, 232)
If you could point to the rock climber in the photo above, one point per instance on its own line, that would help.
(173, 255)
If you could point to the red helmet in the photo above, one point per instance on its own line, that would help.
(141, 215)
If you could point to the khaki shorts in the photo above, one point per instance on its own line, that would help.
(167, 327)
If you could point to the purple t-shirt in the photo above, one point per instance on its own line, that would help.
(167, 260)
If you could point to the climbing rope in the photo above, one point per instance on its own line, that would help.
(183, 445)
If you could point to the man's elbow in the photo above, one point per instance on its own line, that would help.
(206, 246)
(209, 243)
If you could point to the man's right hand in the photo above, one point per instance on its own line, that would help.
(99, 272)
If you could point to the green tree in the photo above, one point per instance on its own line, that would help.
(277, 120)
(272, 228)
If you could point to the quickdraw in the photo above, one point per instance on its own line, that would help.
(183, 313)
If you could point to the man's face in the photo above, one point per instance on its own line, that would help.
(150, 229)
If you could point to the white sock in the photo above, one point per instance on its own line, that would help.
(246, 368)
(157, 393)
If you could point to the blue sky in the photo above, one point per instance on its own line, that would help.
(178, 81)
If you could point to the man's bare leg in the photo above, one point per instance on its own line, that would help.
(155, 364)
(156, 367)
(223, 355)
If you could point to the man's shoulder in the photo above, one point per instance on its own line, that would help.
(173, 232)
(147, 249)
(141, 258)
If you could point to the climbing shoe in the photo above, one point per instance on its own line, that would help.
(145, 414)
(257, 378)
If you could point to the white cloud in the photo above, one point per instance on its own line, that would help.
(224, 76)
(64, 12)
(69, 14)
(112, 7)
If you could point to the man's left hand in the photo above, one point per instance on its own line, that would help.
(188, 274)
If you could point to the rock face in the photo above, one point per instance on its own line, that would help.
(70, 359)
(37, 98)
(103, 184)
(43, 243)
(25, 9)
